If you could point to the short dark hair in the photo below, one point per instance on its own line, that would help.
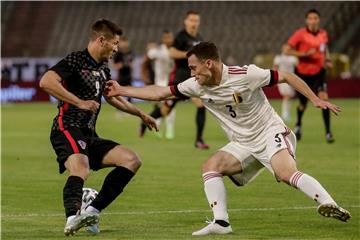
(191, 12)
(165, 31)
(204, 50)
(313, 10)
(104, 27)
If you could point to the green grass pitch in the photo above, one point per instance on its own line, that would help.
(166, 200)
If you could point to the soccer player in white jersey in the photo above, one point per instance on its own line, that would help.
(163, 64)
(285, 63)
(257, 135)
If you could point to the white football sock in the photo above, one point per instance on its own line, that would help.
(170, 121)
(158, 122)
(311, 187)
(216, 194)
(285, 108)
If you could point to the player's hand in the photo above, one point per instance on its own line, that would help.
(112, 89)
(327, 105)
(89, 105)
(149, 121)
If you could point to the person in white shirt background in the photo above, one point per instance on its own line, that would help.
(285, 63)
(163, 64)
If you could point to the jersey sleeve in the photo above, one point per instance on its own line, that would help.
(67, 67)
(153, 53)
(277, 60)
(294, 39)
(179, 42)
(258, 77)
(186, 89)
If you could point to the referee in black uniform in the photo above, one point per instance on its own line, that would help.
(184, 40)
(78, 81)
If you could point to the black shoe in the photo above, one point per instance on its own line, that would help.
(330, 138)
(297, 131)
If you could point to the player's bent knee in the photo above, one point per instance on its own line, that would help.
(130, 161)
(78, 165)
(210, 166)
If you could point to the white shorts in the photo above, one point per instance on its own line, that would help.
(252, 163)
(286, 90)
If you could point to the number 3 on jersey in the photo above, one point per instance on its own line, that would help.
(231, 111)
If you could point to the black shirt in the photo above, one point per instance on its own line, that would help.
(85, 78)
(183, 42)
(125, 73)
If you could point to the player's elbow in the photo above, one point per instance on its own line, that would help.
(44, 82)
(284, 76)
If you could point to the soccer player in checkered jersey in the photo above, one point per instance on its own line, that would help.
(78, 81)
(309, 44)
(257, 136)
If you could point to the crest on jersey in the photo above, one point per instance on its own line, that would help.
(237, 98)
(82, 144)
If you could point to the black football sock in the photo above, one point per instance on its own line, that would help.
(156, 113)
(200, 122)
(326, 117)
(299, 116)
(222, 223)
(72, 195)
(113, 185)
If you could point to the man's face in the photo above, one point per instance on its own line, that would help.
(313, 21)
(200, 69)
(123, 45)
(192, 22)
(109, 47)
(167, 39)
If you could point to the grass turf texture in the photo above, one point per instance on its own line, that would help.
(166, 200)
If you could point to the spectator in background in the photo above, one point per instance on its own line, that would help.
(123, 61)
(147, 73)
(163, 64)
(285, 63)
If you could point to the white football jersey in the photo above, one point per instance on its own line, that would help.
(238, 103)
(163, 64)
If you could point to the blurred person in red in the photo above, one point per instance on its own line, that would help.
(309, 44)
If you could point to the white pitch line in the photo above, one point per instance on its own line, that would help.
(168, 212)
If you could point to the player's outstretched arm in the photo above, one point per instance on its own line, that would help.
(304, 89)
(51, 83)
(151, 92)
